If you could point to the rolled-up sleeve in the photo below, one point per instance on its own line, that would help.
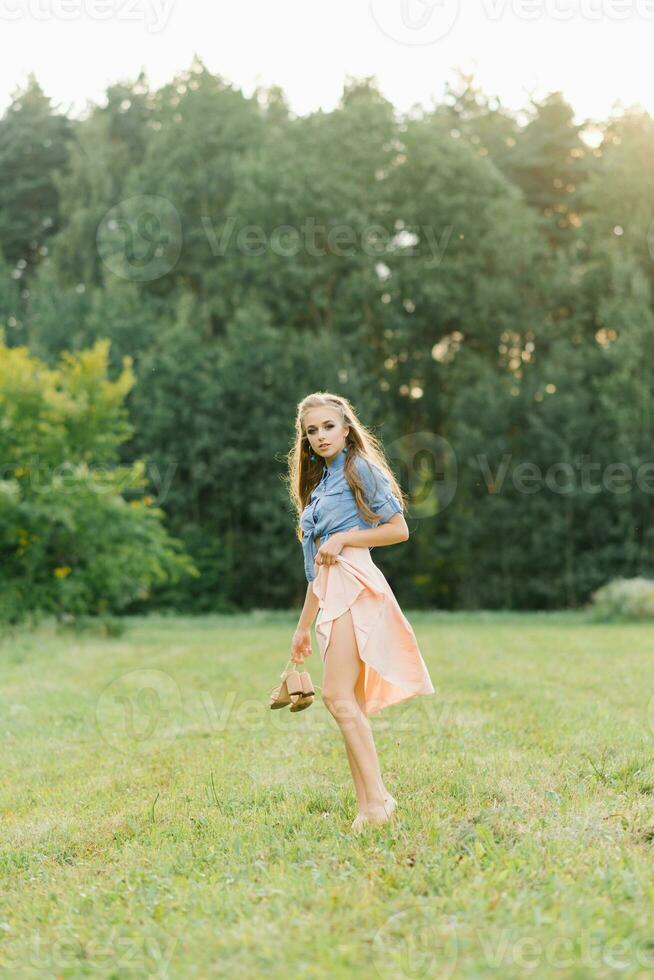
(377, 489)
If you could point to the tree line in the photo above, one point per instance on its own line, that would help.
(477, 281)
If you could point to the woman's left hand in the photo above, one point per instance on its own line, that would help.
(327, 552)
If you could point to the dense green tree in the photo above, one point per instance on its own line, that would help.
(479, 119)
(204, 130)
(108, 146)
(551, 163)
(309, 217)
(62, 317)
(34, 148)
(10, 303)
(215, 423)
(618, 201)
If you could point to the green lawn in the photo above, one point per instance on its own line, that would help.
(159, 820)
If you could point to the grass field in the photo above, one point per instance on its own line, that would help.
(159, 820)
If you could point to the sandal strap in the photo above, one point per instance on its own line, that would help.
(291, 666)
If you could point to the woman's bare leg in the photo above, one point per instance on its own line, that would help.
(342, 696)
(359, 788)
(358, 779)
(356, 775)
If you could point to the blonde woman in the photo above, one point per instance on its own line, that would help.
(348, 501)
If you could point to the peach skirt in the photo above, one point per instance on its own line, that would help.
(394, 668)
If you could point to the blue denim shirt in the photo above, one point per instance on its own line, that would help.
(332, 507)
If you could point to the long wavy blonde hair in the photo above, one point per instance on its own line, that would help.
(304, 474)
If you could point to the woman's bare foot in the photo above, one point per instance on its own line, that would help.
(378, 815)
(375, 816)
(359, 823)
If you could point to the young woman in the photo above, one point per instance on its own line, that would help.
(348, 501)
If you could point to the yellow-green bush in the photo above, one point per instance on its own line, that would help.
(77, 536)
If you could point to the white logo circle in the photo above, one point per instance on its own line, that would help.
(415, 21)
(140, 238)
(414, 944)
(138, 710)
(430, 463)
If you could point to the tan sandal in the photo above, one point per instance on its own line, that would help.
(280, 696)
(308, 692)
(295, 688)
(294, 685)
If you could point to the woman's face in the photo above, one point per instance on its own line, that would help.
(325, 431)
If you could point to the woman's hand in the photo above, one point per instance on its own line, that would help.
(300, 645)
(327, 552)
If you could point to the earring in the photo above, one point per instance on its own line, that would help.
(345, 448)
(312, 457)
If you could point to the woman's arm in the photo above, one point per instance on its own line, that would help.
(392, 532)
(301, 642)
(309, 609)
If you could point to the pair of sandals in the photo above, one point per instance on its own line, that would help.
(296, 689)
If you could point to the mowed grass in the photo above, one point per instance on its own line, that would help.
(159, 820)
